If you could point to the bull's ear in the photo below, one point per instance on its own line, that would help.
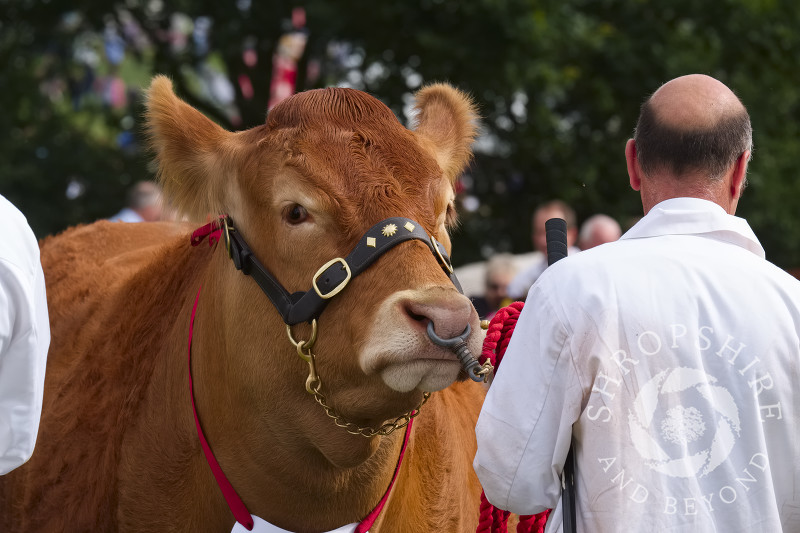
(448, 118)
(191, 152)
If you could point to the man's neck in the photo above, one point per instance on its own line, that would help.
(656, 190)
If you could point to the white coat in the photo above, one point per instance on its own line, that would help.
(672, 359)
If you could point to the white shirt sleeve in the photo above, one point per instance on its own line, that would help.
(525, 427)
(24, 341)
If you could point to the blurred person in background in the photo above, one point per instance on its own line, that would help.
(518, 288)
(598, 229)
(24, 339)
(500, 270)
(143, 205)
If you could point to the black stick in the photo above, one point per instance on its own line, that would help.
(557, 249)
(556, 232)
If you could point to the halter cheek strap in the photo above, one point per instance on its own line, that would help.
(334, 275)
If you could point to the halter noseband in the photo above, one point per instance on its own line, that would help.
(334, 275)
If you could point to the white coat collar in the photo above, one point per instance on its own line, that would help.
(694, 216)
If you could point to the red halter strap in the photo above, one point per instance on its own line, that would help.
(237, 506)
(235, 503)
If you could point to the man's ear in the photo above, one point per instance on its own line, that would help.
(633, 169)
(739, 177)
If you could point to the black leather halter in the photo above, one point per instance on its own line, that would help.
(334, 275)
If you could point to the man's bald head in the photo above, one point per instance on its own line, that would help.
(692, 125)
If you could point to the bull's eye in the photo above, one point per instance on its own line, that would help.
(295, 214)
(451, 216)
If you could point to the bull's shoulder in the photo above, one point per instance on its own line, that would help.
(103, 281)
(98, 273)
(106, 245)
(117, 298)
(89, 263)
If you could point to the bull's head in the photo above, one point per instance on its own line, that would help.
(303, 189)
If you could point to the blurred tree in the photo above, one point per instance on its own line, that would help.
(60, 166)
(558, 83)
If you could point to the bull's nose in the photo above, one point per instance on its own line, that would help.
(450, 313)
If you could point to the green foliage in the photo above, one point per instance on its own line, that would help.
(558, 83)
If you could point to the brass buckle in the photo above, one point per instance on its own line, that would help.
(445, 263)
(336, 290)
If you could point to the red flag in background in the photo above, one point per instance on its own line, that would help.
(284, 63)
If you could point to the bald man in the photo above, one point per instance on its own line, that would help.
(144, 204)
(598, 229)
(669, 359)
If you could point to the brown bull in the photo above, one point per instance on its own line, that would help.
(118, 448)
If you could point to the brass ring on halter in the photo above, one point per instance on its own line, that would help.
(305, 345)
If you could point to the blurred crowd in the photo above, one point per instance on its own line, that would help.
(505, 278)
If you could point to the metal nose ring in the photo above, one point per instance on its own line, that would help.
(458, 345)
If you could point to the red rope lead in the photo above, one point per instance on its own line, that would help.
(533, 523)
(499, 333)
(492, 519)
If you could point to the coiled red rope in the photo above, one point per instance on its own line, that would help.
(498, 335)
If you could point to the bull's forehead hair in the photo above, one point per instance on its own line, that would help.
(351, 146)
(345, 107)
(343, 126)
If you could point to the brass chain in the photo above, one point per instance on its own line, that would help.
(314, 386)
(354, 429)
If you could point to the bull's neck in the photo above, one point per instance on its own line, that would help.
(271, 438)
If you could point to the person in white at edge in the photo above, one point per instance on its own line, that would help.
(670, 358)
(24, 338)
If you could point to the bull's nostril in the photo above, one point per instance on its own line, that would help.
(449, 312)
(418, 318)
(414, 313)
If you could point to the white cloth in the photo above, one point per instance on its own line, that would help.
(127, 215)
(24, 338)
(522, 282)
(262, 526)
(675, 353)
